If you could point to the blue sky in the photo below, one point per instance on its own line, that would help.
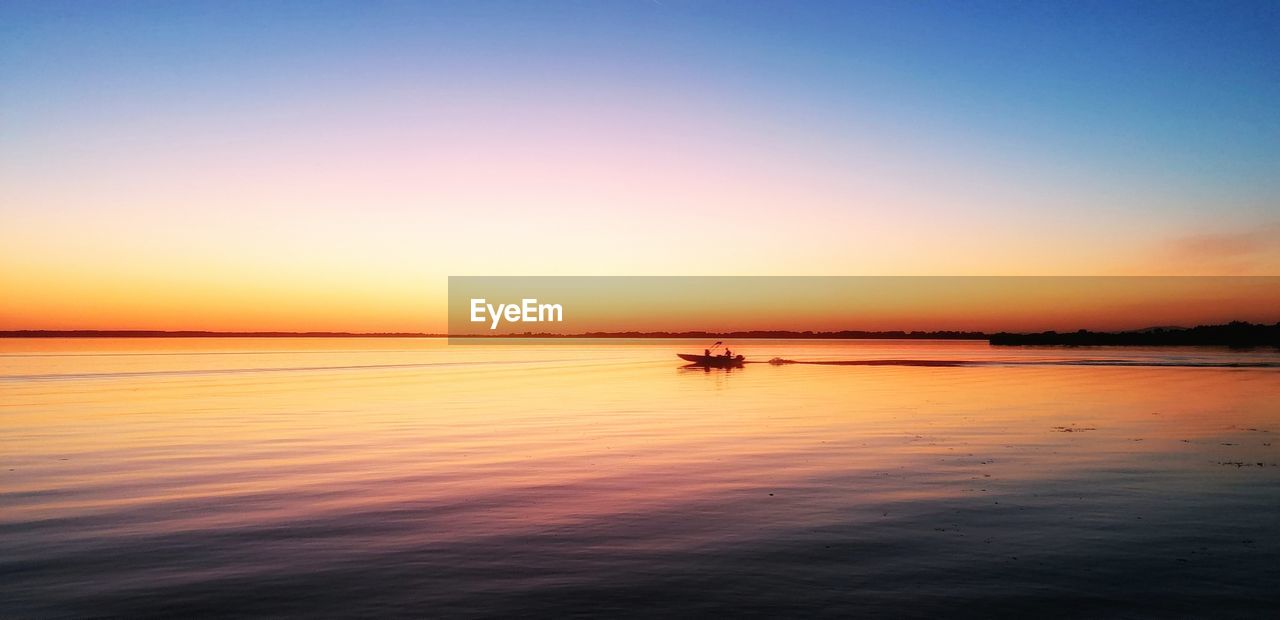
(1040, 137)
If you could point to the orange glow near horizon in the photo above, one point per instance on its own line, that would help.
(359, 305)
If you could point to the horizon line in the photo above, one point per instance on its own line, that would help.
(846, 334)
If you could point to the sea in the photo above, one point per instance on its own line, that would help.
(394, 477)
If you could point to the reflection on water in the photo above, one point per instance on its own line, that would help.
(402, 477)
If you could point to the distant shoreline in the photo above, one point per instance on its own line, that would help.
(782, 335)
(149, 333)
(1233, 334)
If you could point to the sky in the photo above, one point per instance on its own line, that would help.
(327, 165)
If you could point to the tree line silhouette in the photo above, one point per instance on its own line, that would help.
(1233, 334)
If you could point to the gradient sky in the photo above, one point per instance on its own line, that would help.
(326, 165)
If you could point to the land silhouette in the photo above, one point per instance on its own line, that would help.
(1233, 334)
(155, 333)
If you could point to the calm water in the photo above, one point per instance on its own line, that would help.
(409, 477)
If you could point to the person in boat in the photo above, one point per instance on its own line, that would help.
(728, 353)
(706, 353)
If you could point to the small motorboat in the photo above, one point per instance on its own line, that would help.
(713, 361)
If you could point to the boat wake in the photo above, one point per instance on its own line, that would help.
(778, 361)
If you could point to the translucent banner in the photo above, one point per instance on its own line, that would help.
(486, 307)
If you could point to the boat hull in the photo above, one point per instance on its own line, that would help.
(712, 361)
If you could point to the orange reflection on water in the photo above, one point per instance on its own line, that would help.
(494, 467)
(530, 437)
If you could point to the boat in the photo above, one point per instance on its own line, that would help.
(713, 361)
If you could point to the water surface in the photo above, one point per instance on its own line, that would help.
(409, 477)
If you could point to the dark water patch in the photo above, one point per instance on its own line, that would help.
(994, 562)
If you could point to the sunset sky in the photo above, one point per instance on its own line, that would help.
(327, 165)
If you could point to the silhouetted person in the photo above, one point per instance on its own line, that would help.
(706, 353)
(728, 353)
